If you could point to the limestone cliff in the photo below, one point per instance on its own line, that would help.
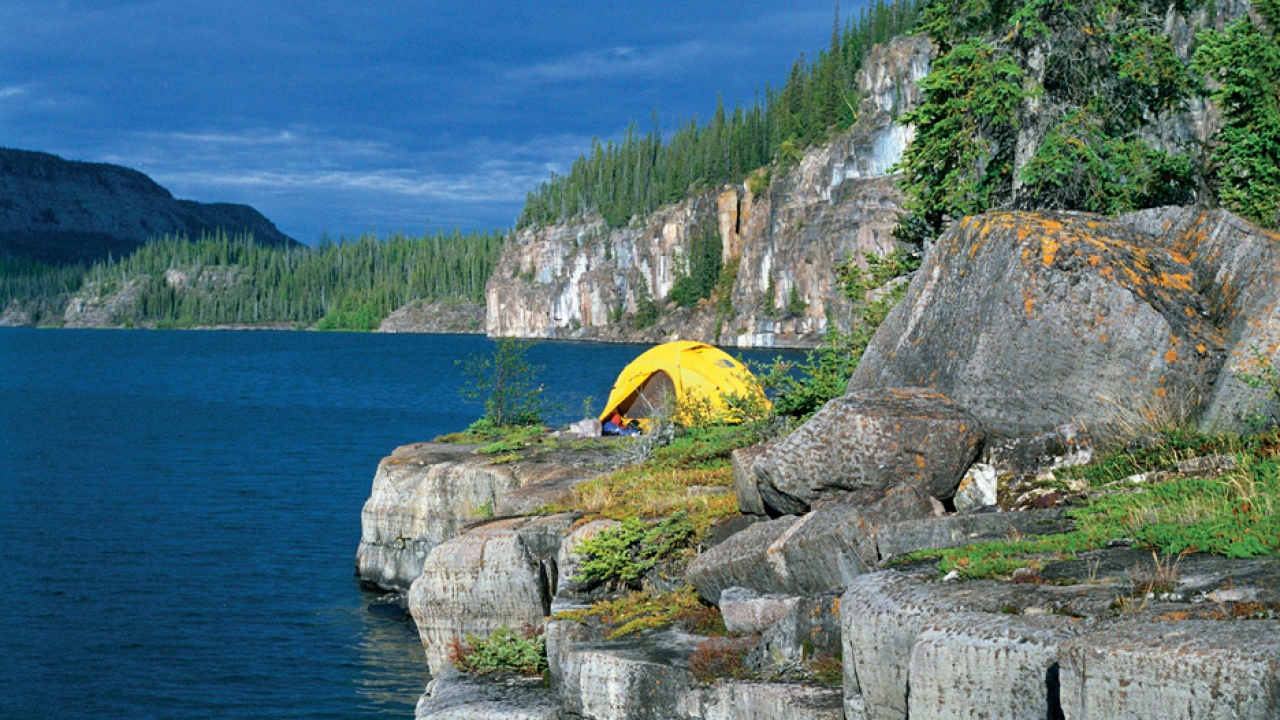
(581, 280)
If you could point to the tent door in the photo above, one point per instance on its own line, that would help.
(650, 399)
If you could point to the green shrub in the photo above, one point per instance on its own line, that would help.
(503, 651)
(622, 555)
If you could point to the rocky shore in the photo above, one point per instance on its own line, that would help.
(833, 579)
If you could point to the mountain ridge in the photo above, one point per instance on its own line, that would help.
(56, 211)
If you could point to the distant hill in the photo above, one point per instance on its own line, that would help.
(60, 211)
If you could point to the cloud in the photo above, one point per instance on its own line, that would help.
(619, 62)
(14, 91)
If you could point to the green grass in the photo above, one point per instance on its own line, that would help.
(503, 651)
(1234, 515)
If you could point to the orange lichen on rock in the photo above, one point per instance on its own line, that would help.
(1171, 356)
(1177, 281)
(1094, 260)
(1048, 249)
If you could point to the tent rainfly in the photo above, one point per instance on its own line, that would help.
(691, 373)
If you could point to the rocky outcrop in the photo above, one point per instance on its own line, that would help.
(728, 700)
(871, 440)
(461, 697)
(445, 317)
(821, 551)
(499, 575)
(972, 665)
(642, 678)
(583, 280)
(425, 493)
(1195, 669)
(60, 211)
(1031, 321)
(1234, 265)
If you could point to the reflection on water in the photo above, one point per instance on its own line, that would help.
(390, 656)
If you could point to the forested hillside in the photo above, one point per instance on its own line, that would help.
(641, 173)
(351, 284)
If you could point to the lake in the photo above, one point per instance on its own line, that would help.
(179, 514)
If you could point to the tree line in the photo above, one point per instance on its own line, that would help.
(640, 173)
(220, 279)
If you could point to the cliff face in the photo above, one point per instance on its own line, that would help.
(581, 280)
(57, 210)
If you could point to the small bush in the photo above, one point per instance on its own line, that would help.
(640, 611)
(720, 657)
(503, 651)
(623, 555)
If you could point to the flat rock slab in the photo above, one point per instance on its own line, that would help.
(463, 697)
(871, 440)
(908, 536)
(729, 700)
(639, 678)
(989, 667)
(883, 613)
(1174, 671)
(490, 577)
(1033, 320)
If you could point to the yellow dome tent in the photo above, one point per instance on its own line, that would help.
(695, 375)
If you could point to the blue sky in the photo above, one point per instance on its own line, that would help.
(345, 117)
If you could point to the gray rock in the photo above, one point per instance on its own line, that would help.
(641, 678)
(746, 611)
(729, 700)
(1063, 446)
(742, 560)
(882, 614)
(871, 440)
(1208, 465)
(422, 496)
(562, 638)
(837, 542)
(1234, 265)
(490, 577)
(909, 536)
(810, 630)
(1174, 671)
(463, 697)
(977, 490)
(1033, 320)
(743, 461)
(452, 317)
(820, 552)
(993, 667)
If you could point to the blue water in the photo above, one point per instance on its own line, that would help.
(179, 513)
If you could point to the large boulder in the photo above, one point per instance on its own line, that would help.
(1178, 671)
(871, 440)
(1234, 267)
(636, 678)
(989, 667)
(820, 552)
(494, 576)
(1033, 320)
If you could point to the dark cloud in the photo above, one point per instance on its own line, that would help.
(341, 117)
